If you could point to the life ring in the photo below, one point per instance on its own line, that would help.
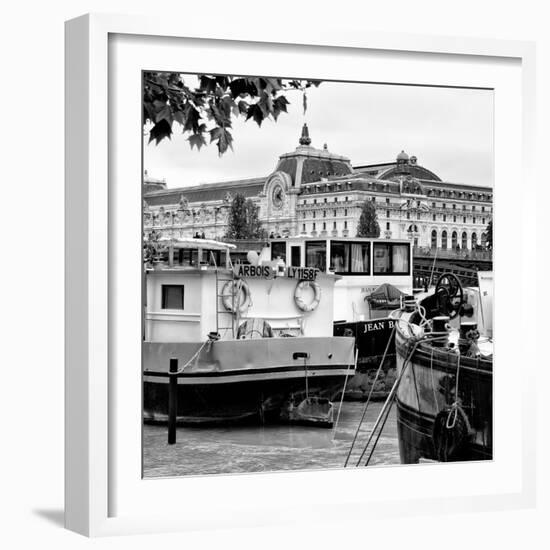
(235, 295)
(299, 292)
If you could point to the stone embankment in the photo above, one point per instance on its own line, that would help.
(359, 386)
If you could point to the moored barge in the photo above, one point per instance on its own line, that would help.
(373, 277)
(253, 341)
(444, 352)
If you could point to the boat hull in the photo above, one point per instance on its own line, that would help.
(371, 339)
(375, 346)
(243, 380)
(424, 401)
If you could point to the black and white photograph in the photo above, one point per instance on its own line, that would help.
(317, 274)
(269, 254)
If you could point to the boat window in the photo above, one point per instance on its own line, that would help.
(172, 296)
(240, 258)
(278, 250)
(360, 257)
(381, 258)
(188, 257)
(339, 257)
(212, 257)
(316, 254)
(400, 258)
(391, 259)
(295, 256)
(349, 257)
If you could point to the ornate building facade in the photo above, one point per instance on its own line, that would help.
(316, 192)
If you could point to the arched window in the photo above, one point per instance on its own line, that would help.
(434, 239)
(454, 240)
(444, 239)
(484, 240)
(474, 241)
(464, 240)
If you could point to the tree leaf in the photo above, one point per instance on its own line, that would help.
(243, 107)
(279, 106)
(242, 87)
(265, 104)
(225, 141)
(148, 111)
(196, 140)
(165, 114)
(207, 84)
(295, 84)
(218, 111)
(222, 81)
(215, 133)
(160, 131)
(223, 138)
(166, 99)
(192, 117)
(273, 85)
(179, 117)
(281, 101)
(255, 112)
(226, 106)
(158, 105)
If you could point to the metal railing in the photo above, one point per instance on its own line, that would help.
(453, 254)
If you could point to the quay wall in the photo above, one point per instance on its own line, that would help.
(359, 386)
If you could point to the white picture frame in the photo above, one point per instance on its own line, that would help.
(102, 424)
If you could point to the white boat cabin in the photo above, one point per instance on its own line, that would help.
(362, 264)
(196, 290)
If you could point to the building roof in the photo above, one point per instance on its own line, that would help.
(457, 191)
(206, 192)
(389, 170)
(354, 183)
(152, 184)
(194, 243)
(403, 166)
(402, 157)
(413, 170)
(324, 172)
(316, 163)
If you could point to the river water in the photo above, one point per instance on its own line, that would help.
(244, 449)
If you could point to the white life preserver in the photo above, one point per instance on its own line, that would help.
(299, 292)
(235, 293)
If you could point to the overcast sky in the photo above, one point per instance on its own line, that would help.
(449, 130)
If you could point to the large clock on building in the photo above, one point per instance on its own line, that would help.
(278, 196)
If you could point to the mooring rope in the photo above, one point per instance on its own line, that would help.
(369, 396)
(393, 392)
(380, 432)
(432, 378)
(397, 320)
(343, 392)
(388, 399)
(195, 355)
(433, 267)
(454, 407)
